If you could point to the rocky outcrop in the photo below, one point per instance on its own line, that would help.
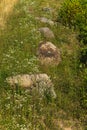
(48, 53)
(39, 82)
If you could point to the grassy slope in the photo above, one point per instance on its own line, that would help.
(18, 45)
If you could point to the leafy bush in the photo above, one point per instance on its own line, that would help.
(69, 11)
(83, 89)
(83, 33)
(81, 22)
(83, 57)
(73, 13)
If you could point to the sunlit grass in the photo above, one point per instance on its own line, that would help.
(19, 40)
(6, 7)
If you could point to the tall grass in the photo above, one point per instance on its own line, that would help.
(20, 109)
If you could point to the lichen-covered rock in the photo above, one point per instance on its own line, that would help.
(46, 33)
(38, 82)
(48, 53)
(20, 80)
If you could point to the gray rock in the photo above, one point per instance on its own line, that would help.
(48, 53)
(46, 33)
(45, 20)
(39, 82)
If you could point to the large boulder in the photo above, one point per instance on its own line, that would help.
(48, 53)
(39, 82)
(46, 33)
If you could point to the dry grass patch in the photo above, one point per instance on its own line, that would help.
(6, 7)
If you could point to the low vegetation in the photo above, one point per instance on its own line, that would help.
(19, 39)
(73, 13)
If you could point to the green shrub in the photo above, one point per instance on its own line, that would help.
(82, 26)
(73, 13)
(69, 11)
(81, 22)
(83, 90)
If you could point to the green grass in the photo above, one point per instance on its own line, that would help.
(19, 40)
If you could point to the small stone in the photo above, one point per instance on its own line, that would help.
(45, 20)
(46, 33)
(48, 53)
(47, 9)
